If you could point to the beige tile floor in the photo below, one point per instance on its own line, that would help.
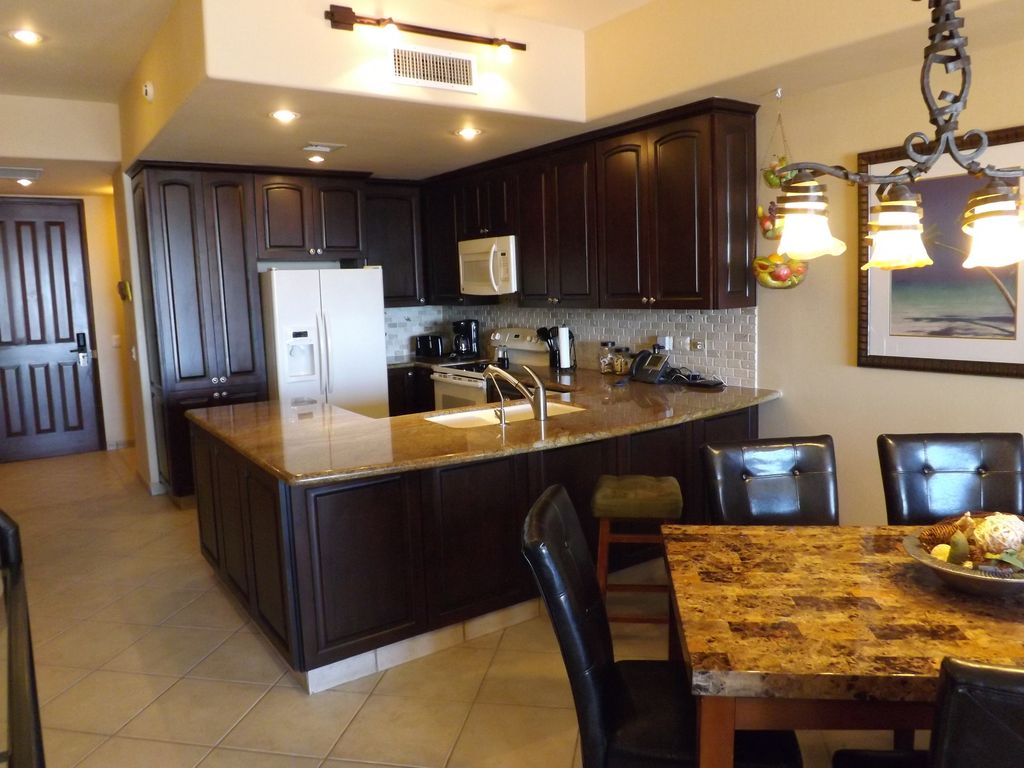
(143, 660)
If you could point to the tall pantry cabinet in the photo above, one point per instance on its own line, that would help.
(197, 254)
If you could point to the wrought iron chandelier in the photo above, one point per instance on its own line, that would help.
(993, 217)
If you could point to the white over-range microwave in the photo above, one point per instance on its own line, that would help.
(487, 266)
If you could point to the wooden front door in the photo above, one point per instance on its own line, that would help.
(49, 393)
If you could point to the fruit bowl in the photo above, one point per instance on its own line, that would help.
(964, 579)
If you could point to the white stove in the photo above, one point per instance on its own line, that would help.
(462, 383)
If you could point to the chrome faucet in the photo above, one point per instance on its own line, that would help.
(538, 400)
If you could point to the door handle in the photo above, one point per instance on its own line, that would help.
(327, 338)
(82, 346)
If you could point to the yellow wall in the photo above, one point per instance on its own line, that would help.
(108, 317)
(807, 336)
(61, 129)
(175, 64)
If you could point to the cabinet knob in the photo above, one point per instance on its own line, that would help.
(643, 300)
(312, 251)
(217, 395)
(223, 379)
(409, 373)
(484, 230)
(213, 380)
(652, 299)
(319, 251)
(555, 300)
(223, 394)
(423, 301)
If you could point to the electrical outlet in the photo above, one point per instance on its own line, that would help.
(666, 342)
(698, 344)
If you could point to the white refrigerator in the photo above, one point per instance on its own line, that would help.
(324, 330)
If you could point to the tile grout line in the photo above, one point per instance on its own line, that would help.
(476, 696)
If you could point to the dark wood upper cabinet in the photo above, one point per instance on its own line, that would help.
(675, 217)
(303, 218)
(441, 244)
(556, 241)
(486, 204)
(393, 242)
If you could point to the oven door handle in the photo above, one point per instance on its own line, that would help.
(458, 382)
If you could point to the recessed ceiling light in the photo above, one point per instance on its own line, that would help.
(315, 159)
(322, 147)
(26, 36)
(25, 182)
(285, 115)
(468, 133)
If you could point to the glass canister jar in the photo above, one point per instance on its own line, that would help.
(622, 360)
(606, 357)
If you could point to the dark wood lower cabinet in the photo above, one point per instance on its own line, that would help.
(472, 522)
(333, 571)
(410, 390)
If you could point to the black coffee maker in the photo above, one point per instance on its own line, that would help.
(466, 338)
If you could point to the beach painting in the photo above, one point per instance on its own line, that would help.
(945, 300)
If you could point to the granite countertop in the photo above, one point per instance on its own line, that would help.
(320, 444)
(825, 613)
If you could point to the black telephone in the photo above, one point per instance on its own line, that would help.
(650, 367)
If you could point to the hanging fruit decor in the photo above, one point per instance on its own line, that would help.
(768, 222)
(776, 156)
(777, 271)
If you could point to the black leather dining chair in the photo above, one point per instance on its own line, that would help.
(775, 481)
(632, 714)
(979, 721)
(927, 477)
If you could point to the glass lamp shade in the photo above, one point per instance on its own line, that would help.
(895, 231)
(995, 222)
(803, 212)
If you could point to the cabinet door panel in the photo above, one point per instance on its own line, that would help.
(680, 239)
(472, 532)
(393, 243)
(621, 216)
(532, 240)
(442, 244)
(231, 246)
(270, 584)
(284, 213)
(502, 200)
(229, 502)
(339, 207)
(202, 456)
(735, 202)
(572, 227)
(400, 391)
(365, 566)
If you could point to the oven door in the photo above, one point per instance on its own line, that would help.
(456, 391)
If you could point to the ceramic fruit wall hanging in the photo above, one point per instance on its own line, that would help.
(777, 271)
(767, 222)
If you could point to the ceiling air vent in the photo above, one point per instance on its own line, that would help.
(434, 69)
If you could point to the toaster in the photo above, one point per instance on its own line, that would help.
(429, 346)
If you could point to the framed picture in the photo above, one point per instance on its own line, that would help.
(943, 317)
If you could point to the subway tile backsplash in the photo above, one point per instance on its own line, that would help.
(731, 334)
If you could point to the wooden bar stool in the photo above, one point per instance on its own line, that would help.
(618, 498)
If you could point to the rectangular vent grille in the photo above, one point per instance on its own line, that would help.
(434, 69)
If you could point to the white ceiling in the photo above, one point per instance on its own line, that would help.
(575, 14)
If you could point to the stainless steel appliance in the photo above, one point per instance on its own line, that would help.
(466, 338)
(325, 338)
(458, 384)
(429, 345)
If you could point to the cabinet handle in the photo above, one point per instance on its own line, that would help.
(312, 251)
(216, 395)
(652, 300)
(643, 300)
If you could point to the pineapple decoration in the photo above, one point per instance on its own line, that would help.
(776, 271)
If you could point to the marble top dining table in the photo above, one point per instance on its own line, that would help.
(820, 627)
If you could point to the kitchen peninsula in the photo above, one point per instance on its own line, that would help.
(343, 534)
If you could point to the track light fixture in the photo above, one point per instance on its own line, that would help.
(993, 217)
(343, 17)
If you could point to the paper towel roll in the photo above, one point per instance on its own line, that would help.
(564, 348)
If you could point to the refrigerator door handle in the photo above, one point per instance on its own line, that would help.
(319, 353)
(327, 339)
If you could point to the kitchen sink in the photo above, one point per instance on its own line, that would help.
(486, 417)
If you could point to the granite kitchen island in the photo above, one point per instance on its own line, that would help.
(344, 535)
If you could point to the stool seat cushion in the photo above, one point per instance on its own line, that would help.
(637, 496)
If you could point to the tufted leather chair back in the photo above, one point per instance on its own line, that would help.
(930, 476)
(777, 481)
(556, 550)
(980, 719)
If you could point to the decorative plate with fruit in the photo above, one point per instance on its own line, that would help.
(981, 553)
